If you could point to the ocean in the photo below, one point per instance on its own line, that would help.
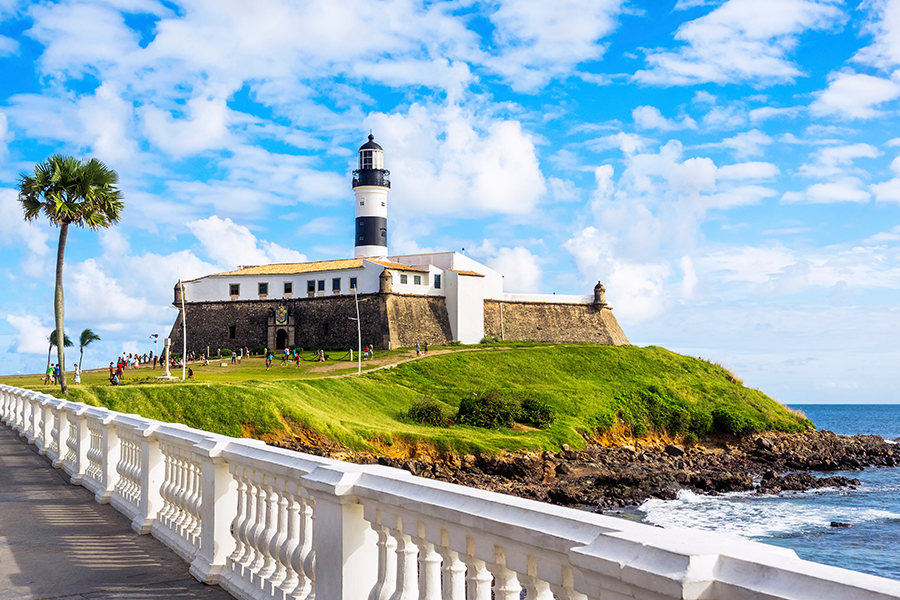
(801, 520)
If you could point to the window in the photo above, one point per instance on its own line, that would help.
(231, 331)
(288, 287)
(311, 285)
(263, 289)
(234, 289)
(360, 238)
(437, 281)
(321, 286)
(367, 159)
(353, 283)
(384, 203)
(403, 278)
(336, 284)
(362, 202)
(417, 279)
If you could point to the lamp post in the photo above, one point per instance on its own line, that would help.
(358, 333)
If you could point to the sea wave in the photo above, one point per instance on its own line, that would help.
(750, 516)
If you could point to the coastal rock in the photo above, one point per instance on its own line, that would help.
(674, 450)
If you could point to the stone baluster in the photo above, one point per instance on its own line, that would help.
(407, 567)
(62, 434)
(506, 584)
(46, 408)
(429, 567)
(478, 578)
(453, 571)
(291, 540)
(387, 562)
(249, 524)
(567, 590)
(303, 558)
(536, 589)
(268, 531)
(278, 540)
(240, 515)
(152, 476)
(82, 444)
(214, 506)
(259, 524)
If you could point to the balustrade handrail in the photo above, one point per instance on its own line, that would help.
(264, 522)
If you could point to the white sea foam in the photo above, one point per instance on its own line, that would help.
(752, 516)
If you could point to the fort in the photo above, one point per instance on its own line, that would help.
(401, 300)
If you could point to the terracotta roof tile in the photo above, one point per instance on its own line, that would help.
(399, 266)
(469, 273)
(296, 268)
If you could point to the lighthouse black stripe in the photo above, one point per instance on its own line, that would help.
(371, 231)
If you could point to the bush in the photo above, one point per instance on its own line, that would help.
(258, 351)
(428, 412)
(488, 410)
(490, 339)
(604, 421)
(729, 421)
(536, 411)
(225, 352)
(454, 343)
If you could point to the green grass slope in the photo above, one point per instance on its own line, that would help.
(589, 388)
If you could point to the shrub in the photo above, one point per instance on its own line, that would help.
(454, 343)
(490, 339)
(729, 421)
(428, 412)
(226, 352)
(536, 411)
(258, 351)
(488, 410)
(604, 421)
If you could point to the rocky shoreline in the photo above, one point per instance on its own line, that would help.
(602, 477)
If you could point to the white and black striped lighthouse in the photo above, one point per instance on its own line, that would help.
(371, 182)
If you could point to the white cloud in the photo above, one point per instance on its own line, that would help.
(521, 269)
(884, 25)
(746, 144)
(854, 95)
(230, 244)
(742, 40)
(758, 115)
(833, 161)
(848, 189)
(31, 334)
(649, 117)
(15, 231)
(4, 131)
(887, 191)
(471, 165)
(538, 40)
(94, 294)
(747, 170)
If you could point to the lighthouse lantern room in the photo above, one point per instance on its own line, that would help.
(371, 182)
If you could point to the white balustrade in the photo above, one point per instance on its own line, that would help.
(269, 523)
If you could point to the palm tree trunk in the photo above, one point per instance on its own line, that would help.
(49, 350)
(59, 308)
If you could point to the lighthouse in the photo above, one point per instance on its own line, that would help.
(371, 182)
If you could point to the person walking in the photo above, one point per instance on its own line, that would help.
(77, 373)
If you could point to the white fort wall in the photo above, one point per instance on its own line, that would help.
(268, 523)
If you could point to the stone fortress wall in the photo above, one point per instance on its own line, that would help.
(552, 322)
(387, 321)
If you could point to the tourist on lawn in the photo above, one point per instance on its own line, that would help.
(49, 375)
(55, 374)
(190, 373)
(77, 373)
(234, 358)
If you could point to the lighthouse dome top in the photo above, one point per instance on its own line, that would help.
(371, 145)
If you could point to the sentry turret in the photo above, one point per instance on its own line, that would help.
(371, 182)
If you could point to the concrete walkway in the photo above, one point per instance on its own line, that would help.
(57, 542)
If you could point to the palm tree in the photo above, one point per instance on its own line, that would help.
(69, 191)
(87, 337)
(67, 342)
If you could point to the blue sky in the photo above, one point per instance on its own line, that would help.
(729, 170)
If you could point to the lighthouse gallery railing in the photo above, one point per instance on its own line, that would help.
(268, 523)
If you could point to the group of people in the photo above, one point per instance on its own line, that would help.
(53, 374)
(421, 348)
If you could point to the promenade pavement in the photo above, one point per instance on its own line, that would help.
(57, 542)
